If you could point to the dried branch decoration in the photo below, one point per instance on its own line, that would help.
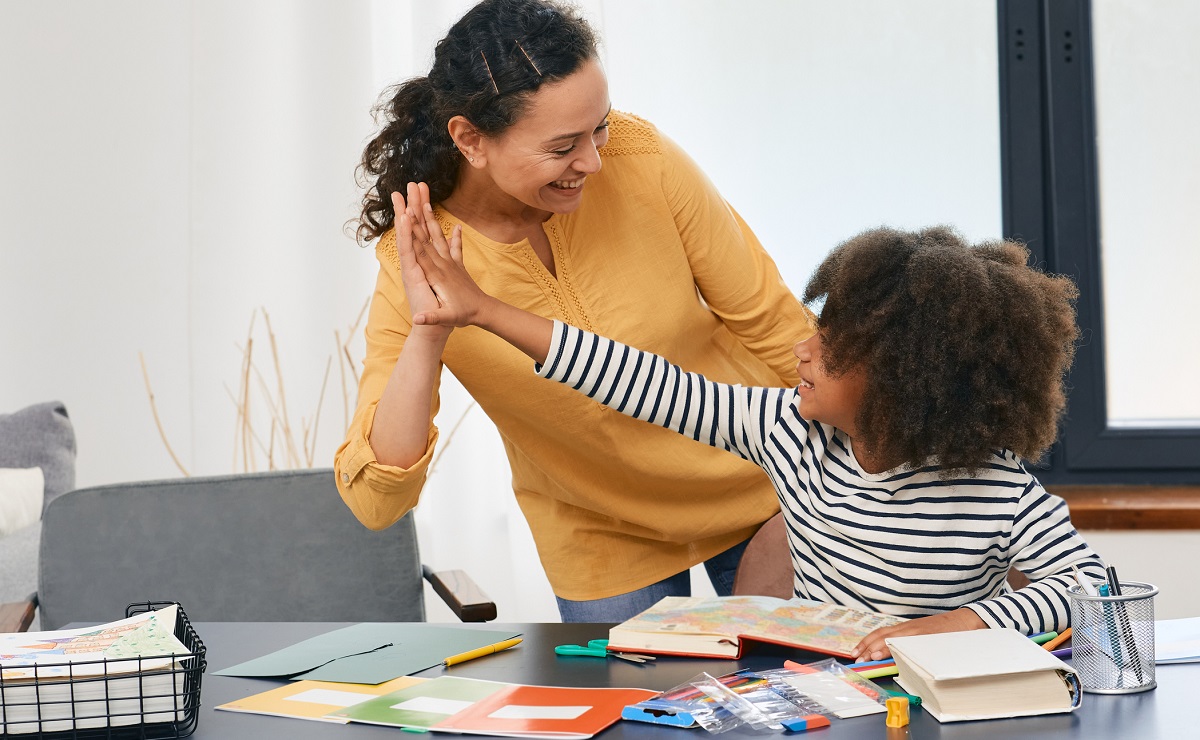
(280, 447)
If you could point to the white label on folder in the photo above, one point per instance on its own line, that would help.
(517, 711)
(433, 705)
(330, 697)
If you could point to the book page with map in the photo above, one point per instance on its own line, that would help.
(715, 626)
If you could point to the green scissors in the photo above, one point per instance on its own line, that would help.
(599, 649)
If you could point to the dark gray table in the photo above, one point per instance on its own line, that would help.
(1166, 712)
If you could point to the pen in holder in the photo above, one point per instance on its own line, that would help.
(1112, 638)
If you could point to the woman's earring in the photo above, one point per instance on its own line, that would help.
(470, 159)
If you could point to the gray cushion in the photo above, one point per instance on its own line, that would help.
(18, 563)
(257, 547)
(40, 436)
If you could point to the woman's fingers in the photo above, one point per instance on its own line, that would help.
(456, 245)
(436, 238)
(398, 205)
(416, 213)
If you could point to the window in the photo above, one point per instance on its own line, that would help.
(1109, 211)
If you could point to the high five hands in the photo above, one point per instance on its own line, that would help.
(440, 292)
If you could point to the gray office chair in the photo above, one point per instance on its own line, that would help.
(277, 546)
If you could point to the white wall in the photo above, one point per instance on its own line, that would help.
(1162, 558)
(167, 168)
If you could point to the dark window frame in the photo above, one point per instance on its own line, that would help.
(1051, 202)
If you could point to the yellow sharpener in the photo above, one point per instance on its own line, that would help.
(897, 711)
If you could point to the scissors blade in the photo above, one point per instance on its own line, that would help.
(630, 657)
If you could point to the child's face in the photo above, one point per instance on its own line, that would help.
(825, 398)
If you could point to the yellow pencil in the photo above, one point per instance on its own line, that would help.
(1062, 637)
(480, 652)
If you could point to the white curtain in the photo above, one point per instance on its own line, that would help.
(171, 169)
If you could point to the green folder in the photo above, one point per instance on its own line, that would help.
(370, 652)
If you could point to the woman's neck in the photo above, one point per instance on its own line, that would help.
(477, 201)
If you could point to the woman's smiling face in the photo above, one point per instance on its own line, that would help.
(545, 158)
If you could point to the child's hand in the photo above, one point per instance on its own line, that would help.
(873, 647)
(440, 291)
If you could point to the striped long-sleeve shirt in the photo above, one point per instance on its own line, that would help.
(905, 542)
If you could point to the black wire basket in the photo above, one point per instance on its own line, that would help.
(147, 697)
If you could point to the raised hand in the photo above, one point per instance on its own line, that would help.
(441, 292)
(420, 296)
(436, 269)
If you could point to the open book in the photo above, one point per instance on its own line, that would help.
(719, 626)
(983, 674)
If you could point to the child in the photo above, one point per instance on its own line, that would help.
(935, 367)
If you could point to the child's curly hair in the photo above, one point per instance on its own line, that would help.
(964, 347)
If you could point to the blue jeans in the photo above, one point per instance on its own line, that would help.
(721, 570)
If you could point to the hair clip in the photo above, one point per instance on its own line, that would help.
(489, 71)
(528, 59)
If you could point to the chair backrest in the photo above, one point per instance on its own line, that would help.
(766, 565)
(277, 546)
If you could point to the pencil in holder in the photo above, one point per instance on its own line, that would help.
(1112, 639)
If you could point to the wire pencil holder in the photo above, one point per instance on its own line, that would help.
(1112, 639)
(150, 697)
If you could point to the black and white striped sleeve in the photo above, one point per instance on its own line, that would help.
(647, 387)
(1044, 546)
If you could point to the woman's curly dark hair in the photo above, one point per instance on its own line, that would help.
(965, 348)
(485, 69)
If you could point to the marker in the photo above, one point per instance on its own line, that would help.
(912, 698)
(1084, 582)
(1114, 588)
(1114, 585)
(860, 667)
(864, 664)
(881, 672)
(1062, 637)
(480, 652)
(808, 722)
(1061, 652)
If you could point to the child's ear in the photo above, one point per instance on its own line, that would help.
(467, 139)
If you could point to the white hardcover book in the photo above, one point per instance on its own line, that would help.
(983, 674)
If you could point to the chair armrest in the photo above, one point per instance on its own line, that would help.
(17, 616)
(468, 602)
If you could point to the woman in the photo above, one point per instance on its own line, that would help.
(571, 210)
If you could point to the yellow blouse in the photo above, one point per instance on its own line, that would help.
(656, 259)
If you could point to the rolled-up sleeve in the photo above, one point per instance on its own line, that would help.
(379, 495)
